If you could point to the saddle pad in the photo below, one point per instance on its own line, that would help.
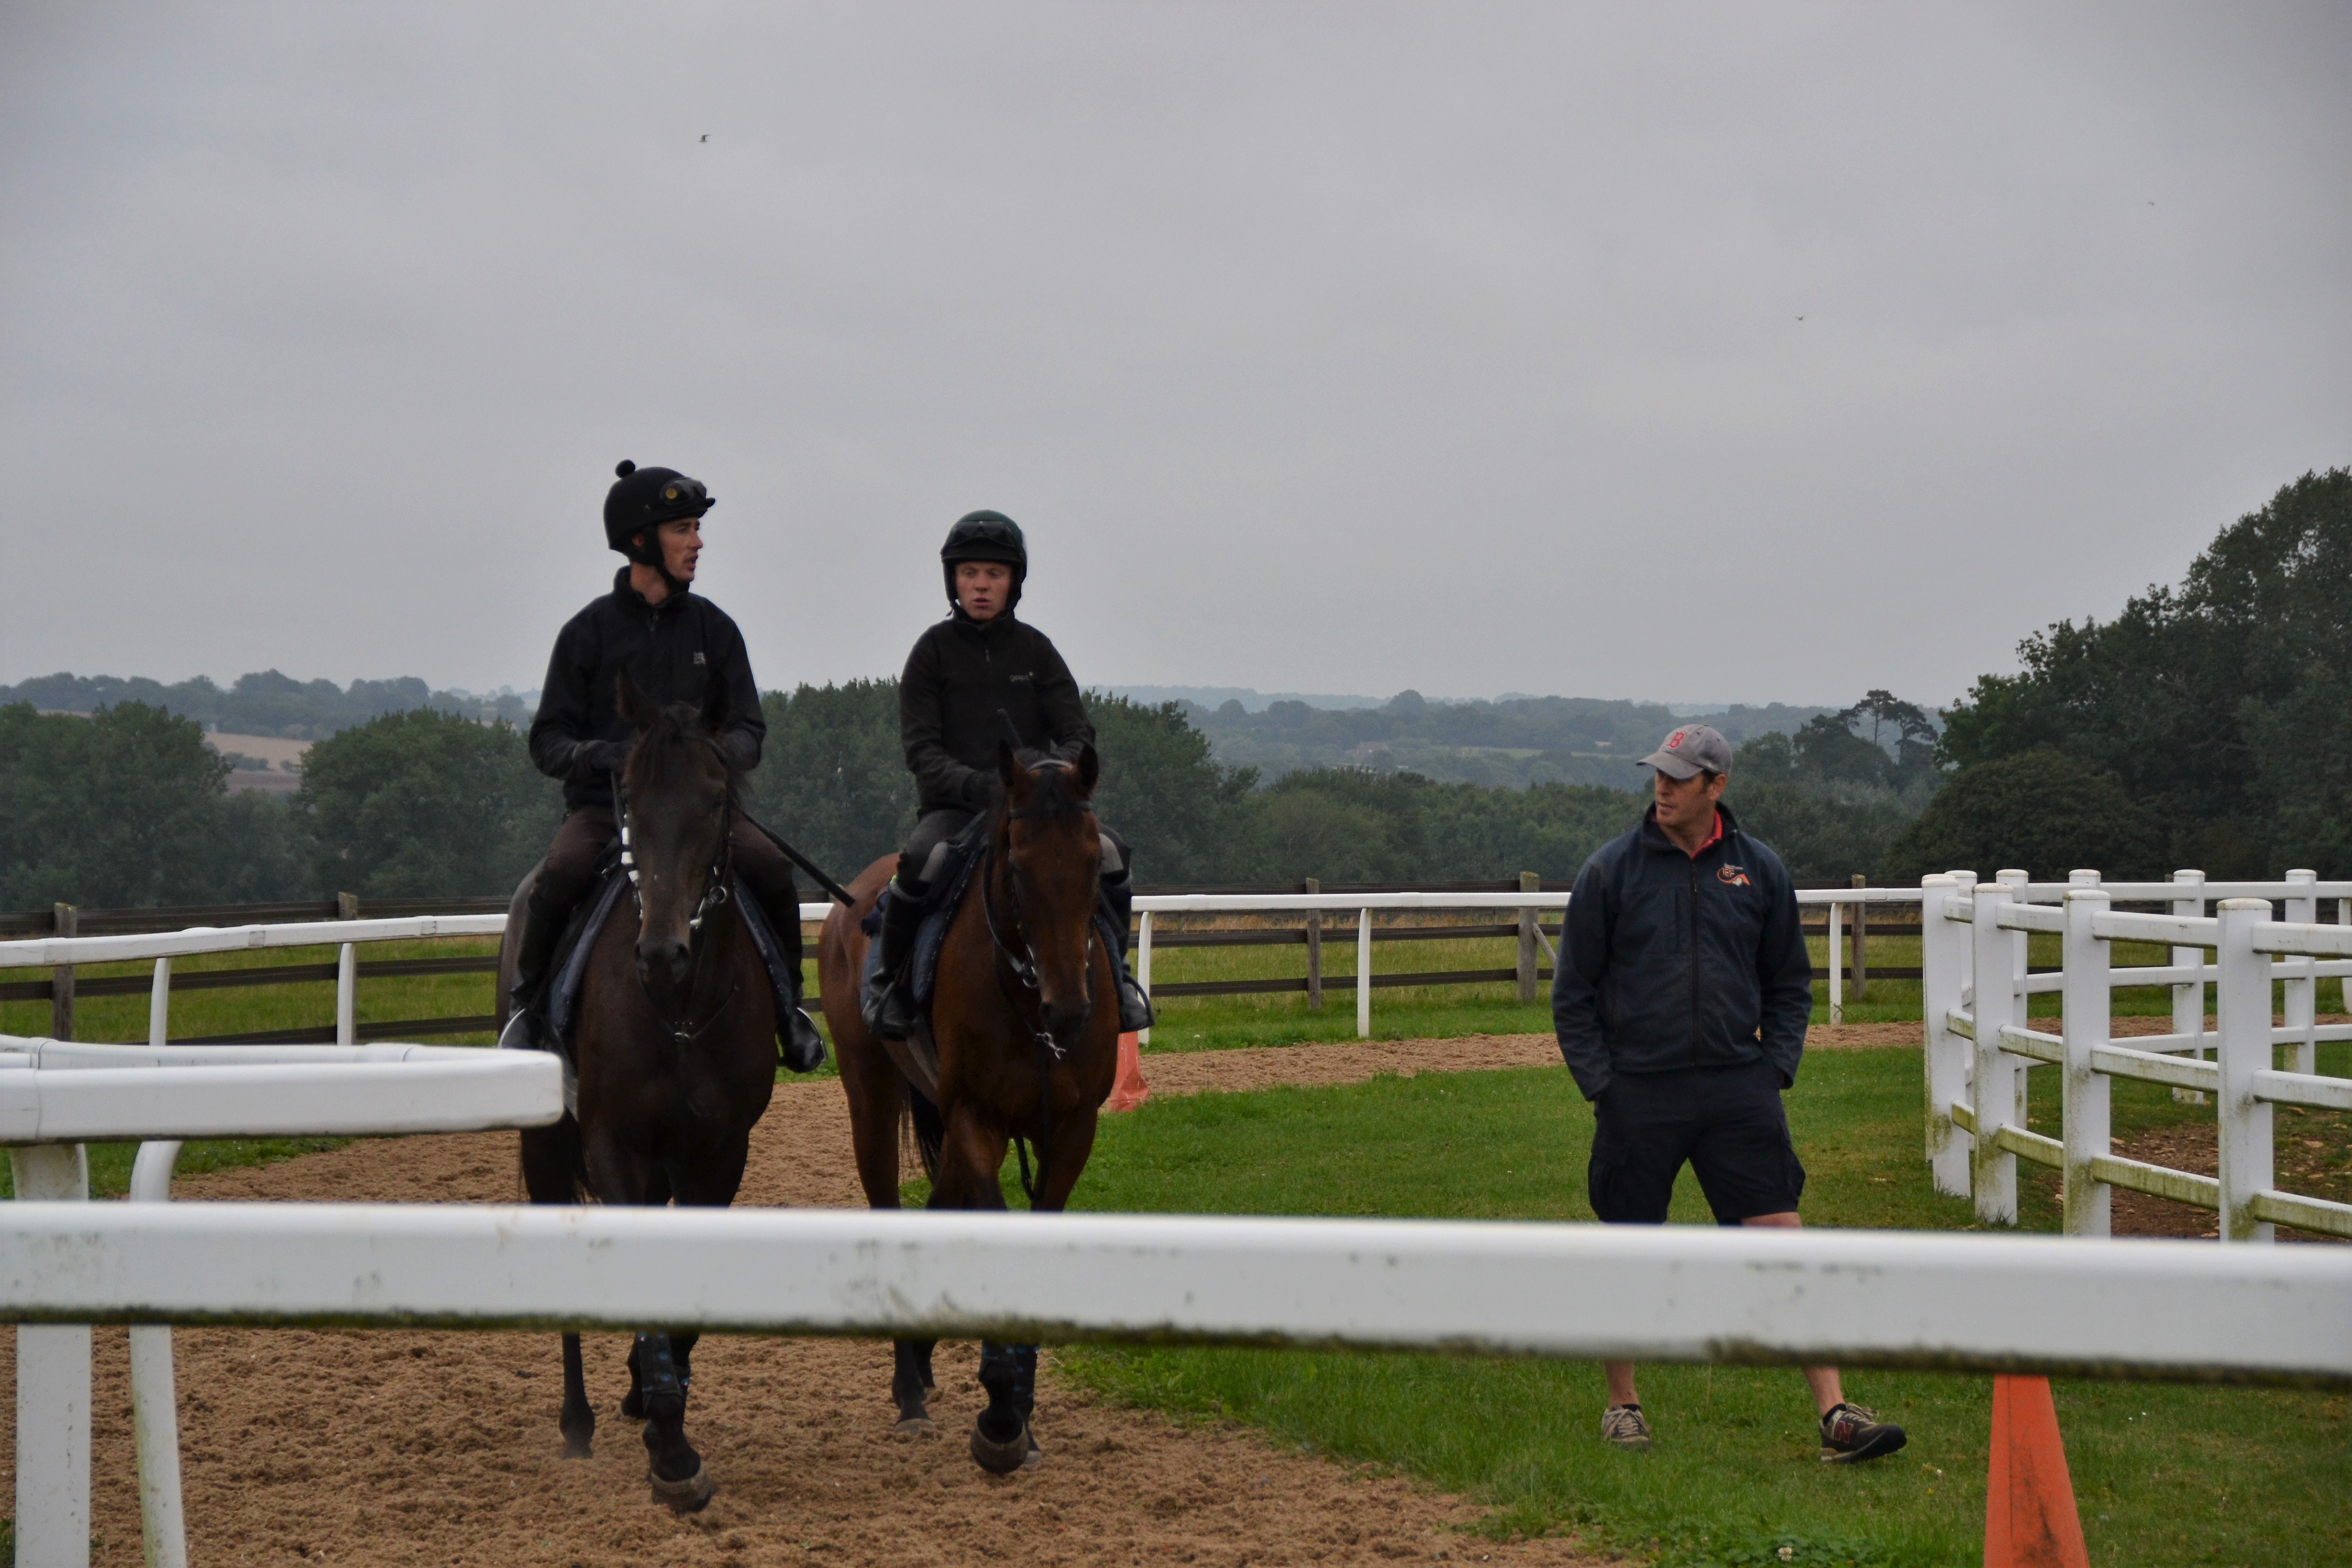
(572, 967)
(770, 951)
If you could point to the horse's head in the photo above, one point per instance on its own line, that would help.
(1052, 849)
(679, 791)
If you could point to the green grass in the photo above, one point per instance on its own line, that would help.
(2164, 1474)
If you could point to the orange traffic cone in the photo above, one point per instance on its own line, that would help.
(1130, 1091)
(2030, 1519)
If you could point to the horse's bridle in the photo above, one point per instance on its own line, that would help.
(714, 893)
(1023, 966)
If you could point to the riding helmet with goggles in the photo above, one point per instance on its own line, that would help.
(985, 536)
(641, 501)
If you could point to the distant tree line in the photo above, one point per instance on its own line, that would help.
(1511, 740)
(265, 702)
(128, 807)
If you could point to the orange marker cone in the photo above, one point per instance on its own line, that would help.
(2030, 1519)
(1130, 1091)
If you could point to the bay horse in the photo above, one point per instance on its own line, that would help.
(1025, 1019)
(675, 1049)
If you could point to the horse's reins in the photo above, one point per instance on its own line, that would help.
(1024, 968)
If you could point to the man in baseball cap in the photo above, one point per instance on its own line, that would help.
(1681, 1000)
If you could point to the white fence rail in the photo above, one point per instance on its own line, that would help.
(1979, 1046)
(55, 1096)
(1578, 1292)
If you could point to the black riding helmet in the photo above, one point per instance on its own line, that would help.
(641, 501)
(985, 536)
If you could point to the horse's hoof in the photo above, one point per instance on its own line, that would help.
(1000, 1459)
(578, 1449)
(1035, 1456)
(917, 1427)
(688, 1496)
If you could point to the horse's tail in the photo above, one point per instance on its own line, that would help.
(555, 1163)
(931, 1130)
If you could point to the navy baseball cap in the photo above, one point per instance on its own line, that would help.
(1690, 751)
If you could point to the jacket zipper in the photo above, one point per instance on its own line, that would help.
(1694, 960)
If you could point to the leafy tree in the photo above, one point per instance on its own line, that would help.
(2220, 705)
(118, 809)
(1176, 808)
(2045, 811)
(831, 777)
(426, 804)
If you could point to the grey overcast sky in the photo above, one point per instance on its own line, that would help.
(1685, 351)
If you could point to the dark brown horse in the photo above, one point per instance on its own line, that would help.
(675, 1050)
(1025, 1020)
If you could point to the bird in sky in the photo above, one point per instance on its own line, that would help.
(1800, 318)
(706, 136)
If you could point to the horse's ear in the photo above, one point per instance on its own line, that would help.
(633, 704)
(718, 706)
(1089, 772)
(1008, 766)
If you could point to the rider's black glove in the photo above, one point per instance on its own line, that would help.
(604, 756)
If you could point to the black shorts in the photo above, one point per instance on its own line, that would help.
(1726, 1122)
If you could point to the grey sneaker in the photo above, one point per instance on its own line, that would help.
(1850, 1434)
(1623, 1426)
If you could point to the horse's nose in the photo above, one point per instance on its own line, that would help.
(662, 964)
(1063, 1021)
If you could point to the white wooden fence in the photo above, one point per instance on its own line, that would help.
(56, 1096)
(1979, 1046)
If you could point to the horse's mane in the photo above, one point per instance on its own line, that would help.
(1056, 798)
(662, 759)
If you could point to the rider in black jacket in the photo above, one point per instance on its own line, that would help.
(674, 644)
(966, 670)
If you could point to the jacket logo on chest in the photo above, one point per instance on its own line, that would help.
(1022, 676)
(1733, 876)
(699, 660)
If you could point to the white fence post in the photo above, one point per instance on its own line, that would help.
(1943, 968)
(1364, 974)
(1997, 1080)
(347, 995)
(52, 1391)
(2188, 1000)
(2016, 881)
(1837, 973)
(2088, 1200)
(154, 1392)
(159, 1005)
(2301, 1004)
(1143, 965)
(2243, 1025)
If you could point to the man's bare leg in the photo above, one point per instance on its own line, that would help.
(1828, 1394)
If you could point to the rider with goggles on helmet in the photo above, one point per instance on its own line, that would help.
(674, 644)
(979, 661)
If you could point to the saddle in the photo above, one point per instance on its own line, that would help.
(587, 924)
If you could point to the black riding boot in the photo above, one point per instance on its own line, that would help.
(803, 1048)
(1119, 912)
(887, 1002)
(542, 928)
(798, 1042)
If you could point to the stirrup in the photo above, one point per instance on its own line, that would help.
(524, 1032)
(1134, 1007)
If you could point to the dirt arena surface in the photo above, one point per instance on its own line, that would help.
(394, 1448)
